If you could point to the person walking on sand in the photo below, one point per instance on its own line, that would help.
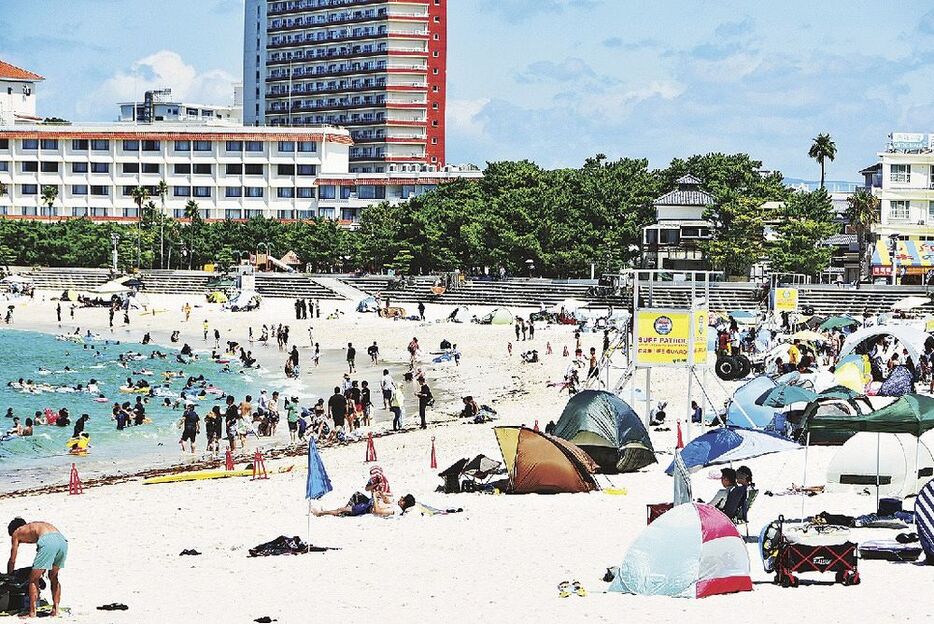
(373, 352)
(413, 352)
(518, 329)
(351, 356)
(424, 400)
(186, 309)
(58, 311)
(191, 426)
(217, 338)
(51, 553)
(387, 385)
(421, 310)
(531, 329)
(204, 328)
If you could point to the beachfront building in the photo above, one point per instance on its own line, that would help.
(674, 240)
(17, 95)
(158, 105)
(376, 67)
(904, 248)
(232, 172)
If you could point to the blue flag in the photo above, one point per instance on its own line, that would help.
(319, 483)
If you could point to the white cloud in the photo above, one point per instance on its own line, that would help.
(163, 69)
(462, 118)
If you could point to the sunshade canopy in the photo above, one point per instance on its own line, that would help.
(911, 413)
(910, 338)
(838, 322)
(727, 444)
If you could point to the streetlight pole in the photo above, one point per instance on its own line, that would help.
(114, 239)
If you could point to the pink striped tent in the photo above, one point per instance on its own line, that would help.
(691, 551)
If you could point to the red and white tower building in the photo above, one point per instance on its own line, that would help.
(376, 67)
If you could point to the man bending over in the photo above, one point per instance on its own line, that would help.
(51, 552)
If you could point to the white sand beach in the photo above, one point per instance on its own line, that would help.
(502, 557)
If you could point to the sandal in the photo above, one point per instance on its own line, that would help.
(563, 589)
(578, 589)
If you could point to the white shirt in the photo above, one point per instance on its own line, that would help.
(386, 383)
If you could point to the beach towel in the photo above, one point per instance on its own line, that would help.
(427, 510)
(283, 545)
(378, 481)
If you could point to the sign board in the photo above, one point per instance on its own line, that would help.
(909, 141)
(786, 300)
(663, 337)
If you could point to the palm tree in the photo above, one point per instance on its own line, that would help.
(162, 189)
(193, 214)
(862, 212)
(822, 149)
(140, 196)
(49, 195)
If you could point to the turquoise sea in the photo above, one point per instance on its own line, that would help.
(45, 359)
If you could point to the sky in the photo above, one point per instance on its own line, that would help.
(553, 81)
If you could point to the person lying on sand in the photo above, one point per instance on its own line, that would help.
(360, 505)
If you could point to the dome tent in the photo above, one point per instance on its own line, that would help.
(608, 430)
(854, 465)
(497, 316)
(369, 304)
(542, 464)
(690, 551)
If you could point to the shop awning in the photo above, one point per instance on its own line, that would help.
(913, 255)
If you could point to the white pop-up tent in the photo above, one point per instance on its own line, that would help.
(904, 464)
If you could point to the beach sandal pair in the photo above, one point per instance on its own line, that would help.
(566, 588)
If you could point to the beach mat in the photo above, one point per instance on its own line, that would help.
(283, 545)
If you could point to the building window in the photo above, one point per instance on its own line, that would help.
(253, 146)
(253, 191)
(201, 146)
(150, 168)
(182, 168)
(233, 213)
(4, 165)
(49, 167)
(201, 191)
(181, 191)
(79, 145)
(29, 189)
(29, 167)
(234, 146)
(30, 144)
(898, 210)
(931, 212)
(100, 191)
(285, 170)
(127, 167)
(250, 169)
(287, 147)
(100, 167)
(233, 191)
(131, 146)
(308, 146)
(436, 37)
(150, 146)
(305, 192)
(79, 167)
(183, 146)
(435, 54)
(434, 141)
(79, 189)
(285, 192)
(434, 124)
(202, 169)
(50, 144)
(307, 170)
(327, 191)
(900, 173)
(233, 169)
(100, 145)
(4, 144)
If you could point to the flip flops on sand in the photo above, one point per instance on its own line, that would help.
(566, 588)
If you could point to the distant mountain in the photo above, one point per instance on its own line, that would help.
(832, 186)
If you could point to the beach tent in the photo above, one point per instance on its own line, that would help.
(834, 405)
(910, 338)
(910, 302)
(497, 316)
(742, 410)
(690, 551)
(785, 394)
(217, 297)
(369, 304)
(71, 295)
(569, 306)
(542, 464)
(912, 413)
(899, 383)
(924, 519)
(608, 430)
(727, 444)
(891, 455)
(460, 314)
(138, 301)
(854, 372)
(112, 287)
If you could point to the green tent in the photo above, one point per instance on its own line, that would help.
(608, 430)
(838, 322)
(911, 413)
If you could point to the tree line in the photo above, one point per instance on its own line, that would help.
(559, 221)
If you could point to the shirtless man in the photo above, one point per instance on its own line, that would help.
(51, 552)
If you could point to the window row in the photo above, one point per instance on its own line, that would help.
(134, 145)
(155, 168)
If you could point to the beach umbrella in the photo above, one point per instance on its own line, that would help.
(808, 336)
(785, 394)
(838, 322)
(728, 444)
(908, 303)
(682, 481)
(318, 483)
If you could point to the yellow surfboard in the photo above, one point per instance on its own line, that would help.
(199, 475)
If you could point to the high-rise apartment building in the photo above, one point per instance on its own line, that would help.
(376, 67)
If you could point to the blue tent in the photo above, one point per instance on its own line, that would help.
(725, 445)
(370, 304)
(743, 411)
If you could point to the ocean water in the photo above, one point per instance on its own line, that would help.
(43, 457)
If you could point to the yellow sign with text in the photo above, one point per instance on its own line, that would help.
(663, 337)
(786, 300)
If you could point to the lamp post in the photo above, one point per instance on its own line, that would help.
(530, 264)
(893, 253)
(114, 239)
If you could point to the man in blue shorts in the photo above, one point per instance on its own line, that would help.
(51, 552)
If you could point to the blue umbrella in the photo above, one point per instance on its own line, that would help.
(725, 445)
(318, 483)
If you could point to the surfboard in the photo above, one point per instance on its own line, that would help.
(199, 475)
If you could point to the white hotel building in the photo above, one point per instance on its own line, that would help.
(232, 172)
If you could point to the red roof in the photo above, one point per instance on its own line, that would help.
(17, 73)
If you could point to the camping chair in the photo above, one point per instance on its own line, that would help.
(479, 471)
(742, 517)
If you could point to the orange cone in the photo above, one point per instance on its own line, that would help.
(259, 467)
(434, 458)
(74, 482)
(228, 461)
(535, 426)
(370, 449)
(680, 444)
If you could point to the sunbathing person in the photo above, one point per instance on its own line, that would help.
(360, 505)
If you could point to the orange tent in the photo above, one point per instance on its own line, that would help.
(542, 464)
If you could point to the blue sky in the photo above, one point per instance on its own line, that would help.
(553, 80)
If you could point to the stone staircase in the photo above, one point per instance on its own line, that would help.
(292, 285)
